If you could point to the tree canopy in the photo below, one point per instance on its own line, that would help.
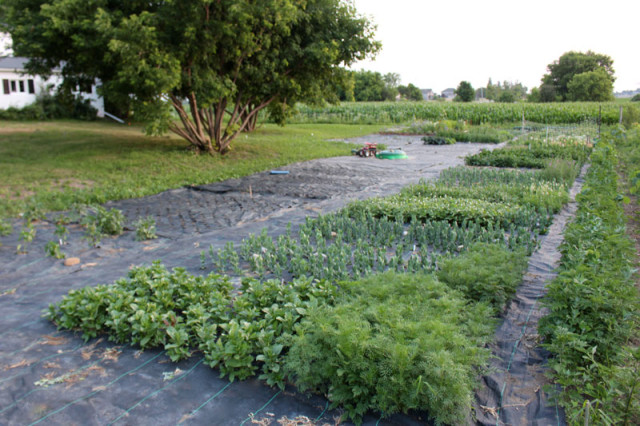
(565, 80)
(503, 92)
(215, 64)
(465, 92)
(591, 86)
(410, 92)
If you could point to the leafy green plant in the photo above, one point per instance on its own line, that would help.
(5, 228)
(593, 304)
(145, 228)
(438, 140)
(53, 249)
(27, 235)
(263, 320)
(453, 210)
(485, 273)
(99, 222)
(62, 233)
(386, 345)
(151, 307)
(560, 170)
(549, 195)
(535, 155)
(476, 113)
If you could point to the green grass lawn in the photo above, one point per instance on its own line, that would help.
(51, 165)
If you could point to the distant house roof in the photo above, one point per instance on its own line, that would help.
(11, 63)
(16, 63)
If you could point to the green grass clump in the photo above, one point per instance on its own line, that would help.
(51, 166)
(394, 343)
(485, 273)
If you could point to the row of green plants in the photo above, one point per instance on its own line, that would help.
(437, 140)
(344, 246)
(543, 194)
(593, 304)
(391, 342)
(384, 312)
(458, 131)
(533, 154)
(407, 232)
(97, 221)
(475, 113)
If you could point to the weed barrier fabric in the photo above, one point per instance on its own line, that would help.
(512, 394)
(53, 377)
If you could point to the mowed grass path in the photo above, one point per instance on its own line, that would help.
(49, 166)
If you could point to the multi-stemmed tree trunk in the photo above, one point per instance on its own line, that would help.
(206, 129)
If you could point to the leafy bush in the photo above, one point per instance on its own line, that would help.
(436, 140)
(485, 273)
(394, 343)
(636, 98)
(51, 107)
(99, 222)
(151, 307)
(154, 307)
(260, 326)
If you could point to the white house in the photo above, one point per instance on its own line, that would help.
(449, 93)
(427, 94)
(20, 89)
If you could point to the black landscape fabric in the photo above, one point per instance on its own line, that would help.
(53, 377)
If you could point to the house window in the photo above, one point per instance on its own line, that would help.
(13, 86)
(5, 87)
(21, 84)
(31, 86)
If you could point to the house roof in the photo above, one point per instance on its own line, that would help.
(11, 63)
(17, 63)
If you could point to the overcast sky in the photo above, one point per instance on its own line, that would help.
(436, 44)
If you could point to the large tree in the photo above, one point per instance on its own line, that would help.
(215, 63)
(556, 84)
(410, 92)
(371, 86)
(465, 92)
(594, 86)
